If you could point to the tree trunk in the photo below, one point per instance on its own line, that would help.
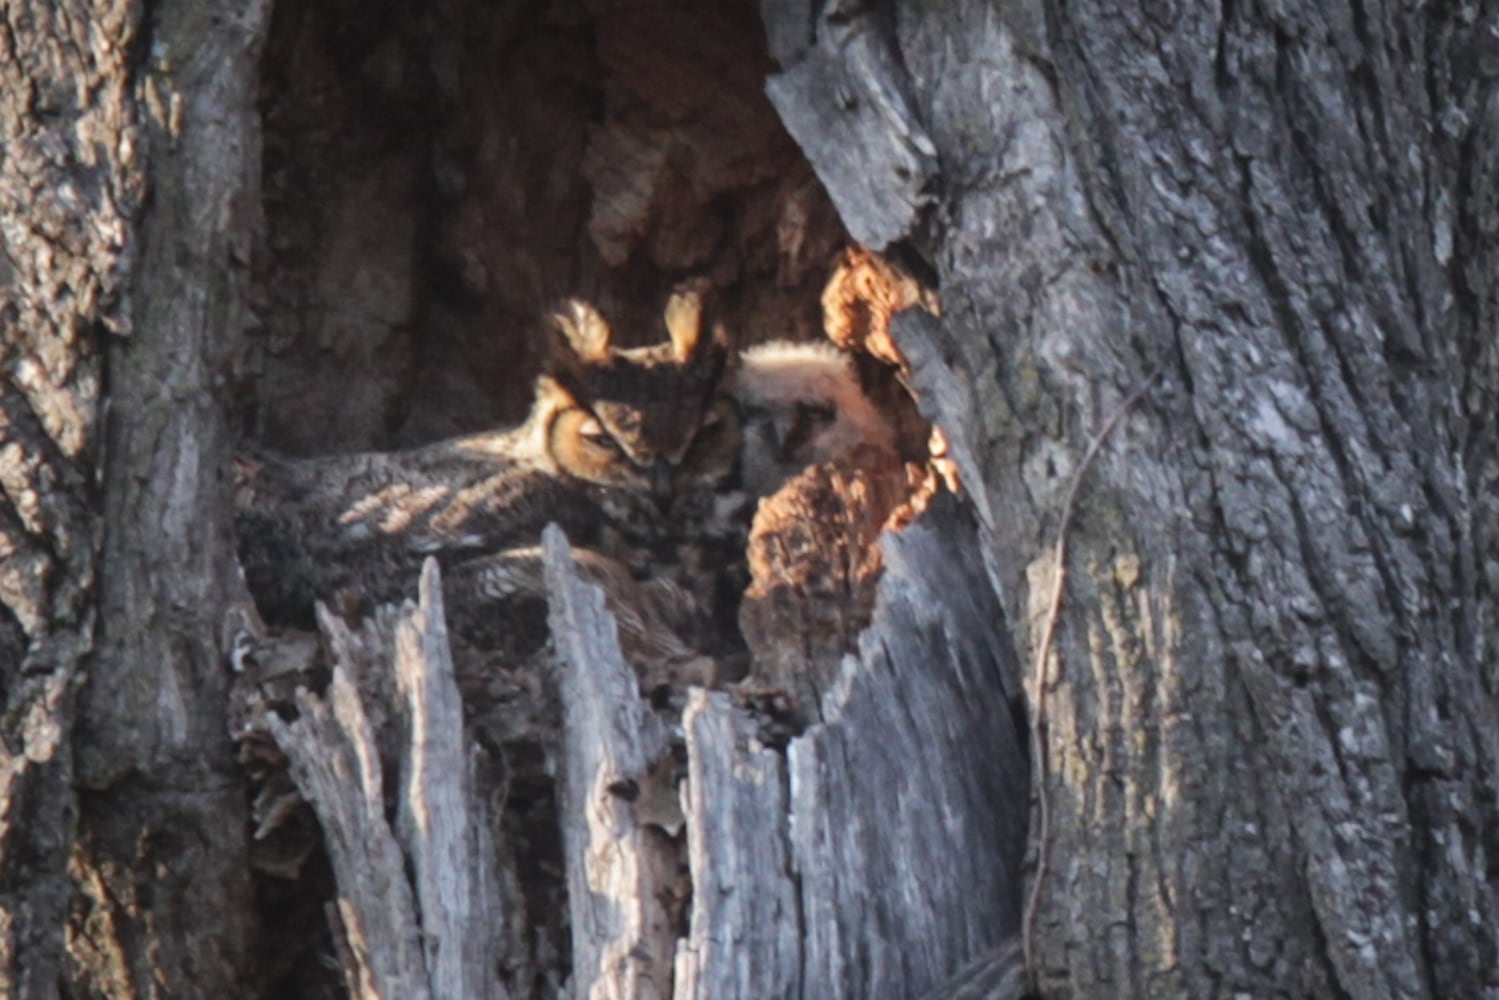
(129, 196)
(1214, 363)
(1268, 742)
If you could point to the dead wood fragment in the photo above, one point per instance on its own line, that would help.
(918, 730)
(331, 750)
(442, 823)
(431, 933)
(745, 934)
(860, 298)
(845, 101)
(624, 875)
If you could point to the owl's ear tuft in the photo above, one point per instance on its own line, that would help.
(579, 331)
(684, 317)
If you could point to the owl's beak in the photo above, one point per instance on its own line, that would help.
(661, 490)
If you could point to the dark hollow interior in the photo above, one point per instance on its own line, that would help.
(436, 174)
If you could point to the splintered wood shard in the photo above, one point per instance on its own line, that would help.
(445, 834)
(434, 933)
(909, 802)
(330, 747)
(620, 869)
(746, 928)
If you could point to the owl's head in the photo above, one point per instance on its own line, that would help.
(647, 419)
(802, 405)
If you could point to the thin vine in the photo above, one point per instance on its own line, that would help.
(1041, 681)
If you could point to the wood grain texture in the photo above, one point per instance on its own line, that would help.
(909, 804)
(998, 974)
(831, 869)
(442, 820)
(846, 102)
(746, 931)
(419, 901)
(1271, 754)
(623, 870)
(334, 759)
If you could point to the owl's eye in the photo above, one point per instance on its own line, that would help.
(593, 432)
(722, 418)
(815, 415)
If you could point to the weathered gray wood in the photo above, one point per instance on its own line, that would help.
(1271, 752)
(909, 804)
(442, 822)
(845, 101)
(418, 904)
(821, 888)
(998, 974)
(621, 867)
(745, 939)
(331, 749)
(790, 28)
(946, 395)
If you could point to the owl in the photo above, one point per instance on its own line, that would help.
(801, 405)
(825, 463)
(615, 439)
(648, 421)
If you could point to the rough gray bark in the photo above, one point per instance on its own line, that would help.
(64, 100)
(88, 131)
(160, 812)
(1270, 756)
